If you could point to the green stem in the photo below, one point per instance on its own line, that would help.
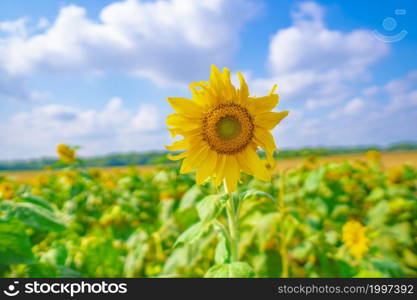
(223, 230)
(281, 202)
(233, 224)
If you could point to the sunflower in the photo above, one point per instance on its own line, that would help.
(66, 153)
(222, 128)
(6, 190)
(373, 156)
(354, 237)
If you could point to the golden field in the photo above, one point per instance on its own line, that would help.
(389, 159)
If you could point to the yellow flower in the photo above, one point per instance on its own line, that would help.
(68, 177)
(373, 156)
(395, 175)
(6, 190)
(354, 237)
(96, 173)
(40, 180)
(108, 181)
(37, 191)
(222, 128)
(65, 153)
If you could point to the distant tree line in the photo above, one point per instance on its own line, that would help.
(325, 151)
(159, 157)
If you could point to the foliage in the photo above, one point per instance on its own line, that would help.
(78, 222)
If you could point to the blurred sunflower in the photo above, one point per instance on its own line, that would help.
(222, 128)
(66, 153)
(395, 175)
(373, 156)
(354, 237)
(6, 190)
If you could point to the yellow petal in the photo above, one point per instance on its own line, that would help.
(273, 89)
(221, 162)
(181, 121)
(193, 159)
(185, 132)
(231, 173)
(262, 104)
(215, 79)
(265, 139)
(243, 91)
(230, 90)
(178, 145)
(269, 120)
(219, 86)
(186, 106)
(243, 164)
(255, 164)
(207, 167)
(177, 157)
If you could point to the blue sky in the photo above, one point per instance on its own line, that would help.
(97, 73)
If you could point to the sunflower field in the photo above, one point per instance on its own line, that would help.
(350, 219)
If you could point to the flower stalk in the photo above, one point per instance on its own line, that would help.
(232, 210)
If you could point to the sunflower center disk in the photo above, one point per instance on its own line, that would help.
(228, 128)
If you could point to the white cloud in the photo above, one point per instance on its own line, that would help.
(353, 107)
(14, 88)
(386, 115)
(114, 128)
(371, 91)
(314, 64)
(325, 74)
(403, 92)
(169, 42)
(42, 23)
(16, 28)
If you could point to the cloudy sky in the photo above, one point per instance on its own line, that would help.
(96, 73)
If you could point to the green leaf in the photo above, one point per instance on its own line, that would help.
(36, 200)
(138, 249)
(192, 234)
(370, 274)
(302, 251)
(331, 237)
(15, 246)
(254, 193)
(390, 268)
(178, 259)
(56, 255)
(410, 258)
(233, 270)
(376, 195)
(378, 215)
(222, 254)
(37, 217)
(313, 180)
(191, 197)
(209, 208)
(401, 232)
(66, 272)
(42, 270)
(161, 177)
